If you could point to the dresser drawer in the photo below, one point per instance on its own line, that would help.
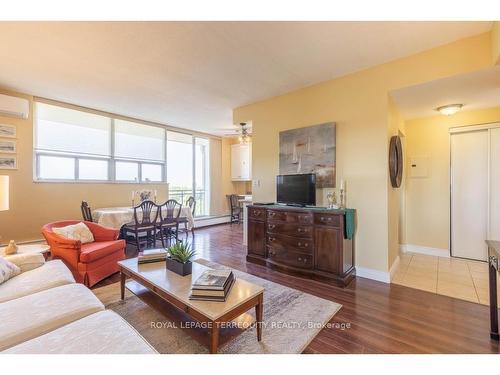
(279, 242)
(331, 220)
(256, 213)
(295, 230)
(290, 258)
(289, 217)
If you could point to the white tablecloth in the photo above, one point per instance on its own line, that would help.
(116, 217)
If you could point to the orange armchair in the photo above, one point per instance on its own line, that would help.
(90, 262)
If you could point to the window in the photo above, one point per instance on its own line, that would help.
(55, 167)
(127, 171)
(82, 156)
(75, 145)
(201, 178)
(188, 170)
(138, 141)
(93, 169)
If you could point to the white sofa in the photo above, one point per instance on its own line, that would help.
(44, 311)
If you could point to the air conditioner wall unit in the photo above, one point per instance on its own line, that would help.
(14, 106)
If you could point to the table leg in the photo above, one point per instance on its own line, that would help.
(214, 338)
(493, 300)
(259, 308)
(123, 277)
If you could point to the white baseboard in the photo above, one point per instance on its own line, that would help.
(409, 248)
(394, 267)
(369, 273)
(204, 222)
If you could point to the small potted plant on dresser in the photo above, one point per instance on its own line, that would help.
(179, 259)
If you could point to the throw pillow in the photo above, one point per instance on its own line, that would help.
(79, 232)
(7, 270)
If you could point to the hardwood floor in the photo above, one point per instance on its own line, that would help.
(376, 317)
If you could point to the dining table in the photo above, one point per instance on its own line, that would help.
(116, 217)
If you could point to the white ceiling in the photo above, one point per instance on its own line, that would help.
(192, 74)
(475, 90)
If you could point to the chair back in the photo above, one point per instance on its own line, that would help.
(233, 200)
(191, 203)
(147, 215)
(168, 211)
(86, 211)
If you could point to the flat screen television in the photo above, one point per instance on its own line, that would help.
(297, 189)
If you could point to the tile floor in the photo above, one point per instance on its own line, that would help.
(453, 277)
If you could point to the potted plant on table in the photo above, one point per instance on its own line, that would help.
(179, 259)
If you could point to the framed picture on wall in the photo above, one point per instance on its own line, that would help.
(8, 146)
(8, 131)
(8, 162)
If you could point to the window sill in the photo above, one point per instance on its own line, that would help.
(97, 182)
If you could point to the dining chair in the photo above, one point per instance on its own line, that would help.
(168, 225)
(235, 208)
(191, 203)
(86, 211)
(144, 228)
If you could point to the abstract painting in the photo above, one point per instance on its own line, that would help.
(7, 131)
(310, 150)
(7, 146)
(8, 162)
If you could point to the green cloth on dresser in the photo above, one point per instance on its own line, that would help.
(349, 223)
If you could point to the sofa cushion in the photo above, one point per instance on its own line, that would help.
(90, 252)
(27, 261)
(7, 270)
(104, 332)
(31, 316)
(50, 275)
(78, 232)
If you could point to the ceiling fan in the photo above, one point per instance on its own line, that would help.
(243, 130)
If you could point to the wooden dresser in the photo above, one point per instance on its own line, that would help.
(303, 241)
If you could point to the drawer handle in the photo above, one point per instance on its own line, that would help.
(256, 213)
(325, 218)
(271, 239)
(272, 213)
(300, 244)
(302, 260)
(300, 230)
(272, 226)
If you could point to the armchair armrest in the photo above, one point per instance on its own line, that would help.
(102, 233)
(63, 248)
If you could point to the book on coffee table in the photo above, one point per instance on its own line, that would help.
(212, 285)
(213, 279)
(152, 255)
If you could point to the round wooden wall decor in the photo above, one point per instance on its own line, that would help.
(396, 161)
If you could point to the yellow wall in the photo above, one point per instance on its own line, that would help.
(428, 199)
(358, 103)
(495, 42)
(395, 195)
(33, 204)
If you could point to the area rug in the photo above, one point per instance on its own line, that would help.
(291, 320)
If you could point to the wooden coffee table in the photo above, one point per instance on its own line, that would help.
(176, 289)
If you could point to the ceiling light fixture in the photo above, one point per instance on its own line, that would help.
(244, 137)
(449, 109)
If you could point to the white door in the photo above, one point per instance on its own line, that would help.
(469, 197)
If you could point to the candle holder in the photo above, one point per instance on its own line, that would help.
(342, 198)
